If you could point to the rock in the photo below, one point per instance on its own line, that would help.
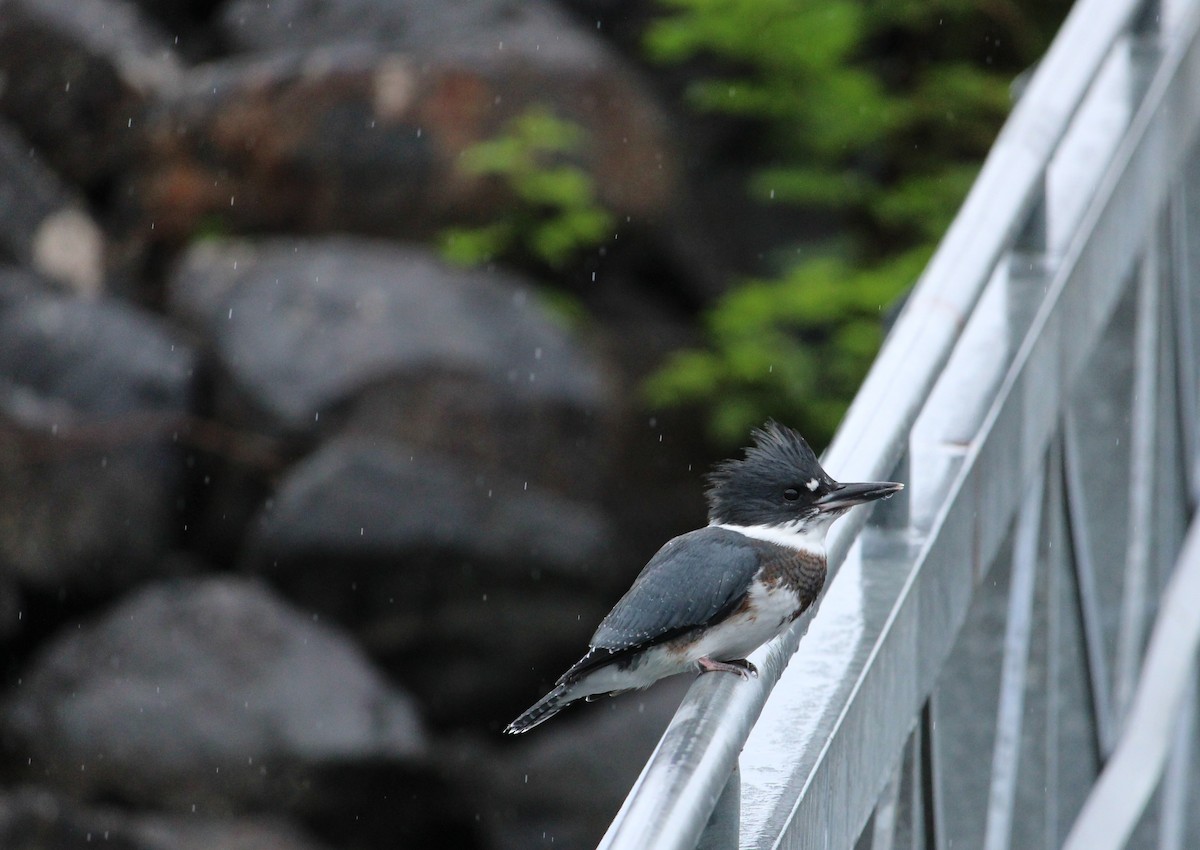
(357, 499)
(91, 393)
(77, 75)
(37, 819)
(207, 693)
(364, 137)
(42, 225)
(458, 581)
(403, 346)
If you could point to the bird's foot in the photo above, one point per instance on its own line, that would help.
(739, 666)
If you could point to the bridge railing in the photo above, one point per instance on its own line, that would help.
(975, 670)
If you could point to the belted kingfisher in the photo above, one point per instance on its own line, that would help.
(710, 597)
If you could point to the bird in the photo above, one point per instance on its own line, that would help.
(710, 597)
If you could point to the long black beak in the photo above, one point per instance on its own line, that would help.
(849, 495)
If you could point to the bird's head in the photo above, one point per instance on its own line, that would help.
(780, 484)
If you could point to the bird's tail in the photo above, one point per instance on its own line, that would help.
(542, 710)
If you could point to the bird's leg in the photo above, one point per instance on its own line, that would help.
(739, 666)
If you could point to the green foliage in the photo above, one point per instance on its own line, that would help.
(555, 214)
(876, 112)
(796, 347)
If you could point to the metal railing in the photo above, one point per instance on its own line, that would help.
(975, 669)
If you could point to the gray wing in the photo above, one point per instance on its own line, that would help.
(695, 579)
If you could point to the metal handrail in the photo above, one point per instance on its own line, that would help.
(684, 777)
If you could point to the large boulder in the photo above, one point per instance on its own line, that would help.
(355, 115)
(206, 693)
(460, 582)
(308, 333)
(77, 77)
(92, 396)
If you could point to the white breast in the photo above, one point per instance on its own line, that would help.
(770, 610)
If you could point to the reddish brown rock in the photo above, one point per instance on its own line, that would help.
(363, 139)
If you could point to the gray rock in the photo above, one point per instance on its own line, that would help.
(77, 75)
(305, 323)
(456, 580)
(91, 393)
(42, 224)
(37, 819)
(468, 362)
(360, 500)
(209, 693)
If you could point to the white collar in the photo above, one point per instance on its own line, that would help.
(810, 539)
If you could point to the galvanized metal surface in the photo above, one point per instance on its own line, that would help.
(1167, 688)
(969, 395)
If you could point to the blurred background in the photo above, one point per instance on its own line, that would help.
(355, 355)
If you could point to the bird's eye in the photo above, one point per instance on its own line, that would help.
(791, 494)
